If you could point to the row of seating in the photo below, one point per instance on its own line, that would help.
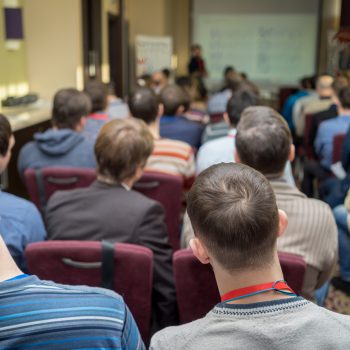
(81, 263)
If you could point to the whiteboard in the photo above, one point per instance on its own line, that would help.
(275, 47)
(152, 53)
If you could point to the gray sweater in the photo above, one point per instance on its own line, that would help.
(293, 323)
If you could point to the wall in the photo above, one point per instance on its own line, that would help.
(13, 70)
(53, 32)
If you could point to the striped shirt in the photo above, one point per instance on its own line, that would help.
(38, 314)
(311, 233)
(172, 157)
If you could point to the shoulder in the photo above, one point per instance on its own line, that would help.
(173, 145)
(177, 337)
(12, 202)
(144, 202)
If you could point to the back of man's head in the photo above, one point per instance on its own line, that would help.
(263, 140)
(233, 211)
(172, 97)
(5, 135)
(98, 95)
(122, 146)
(238, 102)
(344, 98)
(143, 104)
(324, 85)
(69, 106)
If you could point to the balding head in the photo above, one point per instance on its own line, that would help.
(324, 86)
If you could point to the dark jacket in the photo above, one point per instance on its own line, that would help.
(63, 147)
(115, 214)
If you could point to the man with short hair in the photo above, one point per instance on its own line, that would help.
(41, 314)
(320, 101)
(235, 217)
(20, 221)
(64, 144)
(159, 80)
(173, 124)
(264, 142)
(168, 156)
(109, 209)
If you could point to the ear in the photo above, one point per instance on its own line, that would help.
(199, 250)
(236, 156)
(160, 110)
(226, 118)
(291, 155)
(283, 222)
(81, 125)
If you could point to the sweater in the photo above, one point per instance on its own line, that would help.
(286, 324)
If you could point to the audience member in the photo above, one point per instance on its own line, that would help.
(314, 103)
(116, 107)
(20, 221)
(159, 81)
(287, 109)
(236, 220)
(64, 144)
(264, 142)
(110, 210)
(342, 218)
(169, 156)
(97, 93)
(222, 149)
(173, 124)
(42, 314)
(228, 73)
(324, 143)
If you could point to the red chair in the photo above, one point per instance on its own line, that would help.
(284, 93)
(196, 288)
(308, 143)
(338, 141)
(79, 263)
(216, 117)
(43, 183)
(166, 189)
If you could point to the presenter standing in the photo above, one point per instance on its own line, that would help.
(196, 66)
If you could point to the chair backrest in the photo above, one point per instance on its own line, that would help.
(43, 183)
(196, 288)
(284, 93)
(308, 144)
(216, 117)
(79, 263)
(166, 189)
(338, 141)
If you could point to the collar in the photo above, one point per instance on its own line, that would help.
(98, 116)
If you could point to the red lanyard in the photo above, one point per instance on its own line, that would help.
(98, 116)
(277, 286)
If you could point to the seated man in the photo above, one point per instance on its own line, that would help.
(64, 144)
(110, 210)
(159, 80)
(97, 93)
(264, 142)
(41, 314)
(168, 156)
(324, 143)
(173, 124)
(20, 220)
(236, 220)
(321, 101)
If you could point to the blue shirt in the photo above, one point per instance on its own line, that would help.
(324, 139)
(20, 224)
(39, 314)
(218, 102)
(180, 128)
(287, 110)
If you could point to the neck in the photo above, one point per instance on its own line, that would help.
(237, 279)
(8, 268)
(154, 129)
(110, 181)
(343, 111)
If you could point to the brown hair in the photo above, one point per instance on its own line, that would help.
(69, 106)
(172, 97)
(97, 92)
(263, 140)
(5, 134)
(233, 209)
(121, 147)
